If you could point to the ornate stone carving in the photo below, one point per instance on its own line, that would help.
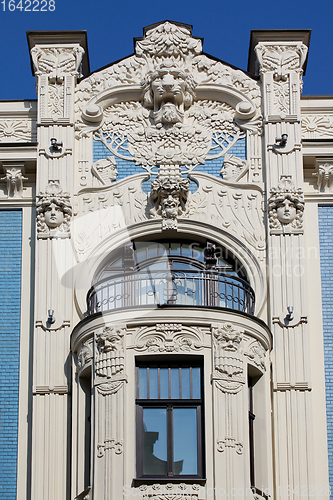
(281, 59)
(169, 196)
(17, 131)
(169, 337)
(325, 176)
(317, 126)
(56, 100)
(84, 356)
(281, 97)
(109, 444)
(286, 207)
(233, 168)
(168, 90)
(14, 178)
(110, 351)
(229, 442)
(256, 353)
(54, 212)
(105, 170)
(228, 358)
(168, 491)
(58, 61)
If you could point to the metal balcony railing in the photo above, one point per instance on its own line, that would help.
(185, 288)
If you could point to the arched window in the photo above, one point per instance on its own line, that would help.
(176, 272)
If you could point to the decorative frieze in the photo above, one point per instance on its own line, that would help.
(169, 337)
(54, 212)
(286, 207)
(168, 491)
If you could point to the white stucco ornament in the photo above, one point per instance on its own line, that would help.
(286, 207)
(54, 212)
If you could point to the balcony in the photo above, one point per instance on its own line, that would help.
(183, 288)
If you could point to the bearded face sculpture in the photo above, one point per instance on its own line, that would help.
(169, 90)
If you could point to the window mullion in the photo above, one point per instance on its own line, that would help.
(170, 439)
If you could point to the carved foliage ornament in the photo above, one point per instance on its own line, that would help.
(228, 358)
(169, 337)
(56, 62)
(281, 59)
(14, 179)
(17, 131)
(54, 212)
(286, 207)
(316, 126)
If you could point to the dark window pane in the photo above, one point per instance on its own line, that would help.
(186, 383)
(174, 383)
(196, 382)
(185, 441)
(154, 441)
(143, 383)
(175, 248)
(164, 383)
(153, 383)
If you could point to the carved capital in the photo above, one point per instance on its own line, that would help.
(54, 212)
(14, 179)
(324, 176)
(56, 62)
(286, 207)
(281, 59)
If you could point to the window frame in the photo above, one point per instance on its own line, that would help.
(170, 405)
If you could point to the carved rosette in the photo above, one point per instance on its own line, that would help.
(109, 359)
(169, 337)
(228, 372)
(169, 196)
(54, 212)
(286, 207)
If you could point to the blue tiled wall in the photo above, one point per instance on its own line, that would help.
(325, 215)
(10, 305)
(126, 168)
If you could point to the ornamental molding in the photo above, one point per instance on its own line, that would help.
(228, 374)
(324, 176)
(18, 130)
(256, 354)
(56, 62)
(169, 337)
(230, 442)
(168, 491)
(109, 353)
(14, 177)
(109, 444)
(85, 356)
(54, 212)
(286, 207)
(281, 59)
(317, 126)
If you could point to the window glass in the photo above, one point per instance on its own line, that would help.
(174, 383)
(196, 383)
(186, 393)
(164, 383)
(153, 383)
(142, 383)
(185, 441)
(155, 441)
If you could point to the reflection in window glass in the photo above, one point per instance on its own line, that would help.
(164, 383)
(186, 383)
(154, 441)
(185, 440)
(143, 383)
(175, 248)
(174, 383)
(152, 250)
(196, 382)
(153, 383)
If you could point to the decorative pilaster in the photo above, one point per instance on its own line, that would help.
(56, 66)
(281, 62)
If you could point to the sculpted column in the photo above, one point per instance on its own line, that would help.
(56, 61)
(281, 58)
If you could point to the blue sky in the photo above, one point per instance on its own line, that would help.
(111, 26)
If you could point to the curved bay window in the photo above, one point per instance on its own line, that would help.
(169, 420)
(171, 273)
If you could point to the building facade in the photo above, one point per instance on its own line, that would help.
(166, 234)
